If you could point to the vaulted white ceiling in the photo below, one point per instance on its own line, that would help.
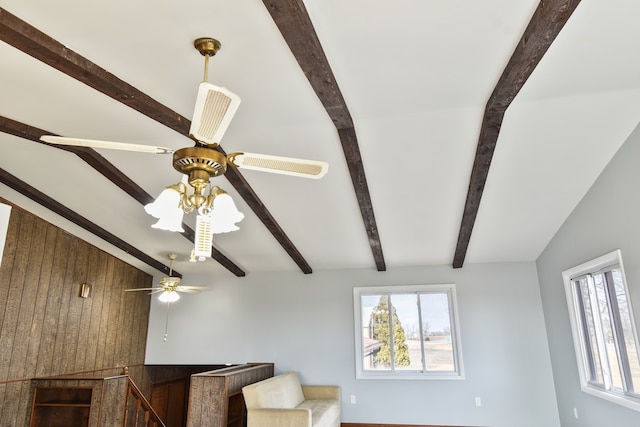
(415, 76)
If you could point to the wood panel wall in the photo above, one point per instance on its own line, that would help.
(45, 327)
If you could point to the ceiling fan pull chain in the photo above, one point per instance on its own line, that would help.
(166, 324)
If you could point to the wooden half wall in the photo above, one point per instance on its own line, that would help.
(46, 328)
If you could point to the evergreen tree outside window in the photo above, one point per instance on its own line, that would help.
(407, 332)
(383, 332)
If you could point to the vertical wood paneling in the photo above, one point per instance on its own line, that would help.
(28, 299)
(14, 295)
(86, 313)
(71, 326)
(52, 310)
(6, 265)
(60, 349)
(86, 308)
(23, 405)
(29, 287)
(101, 356)
(19, 232)
(97, 279)
(114, 393)
(116, 313)
(37, 324)
(45, 327)
(141, 310)
(128, 341)
(48, 235)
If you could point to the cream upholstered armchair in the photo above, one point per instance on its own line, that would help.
(281, 401)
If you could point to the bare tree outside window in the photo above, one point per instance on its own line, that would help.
(604, 330)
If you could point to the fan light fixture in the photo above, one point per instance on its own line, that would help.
(170, 286)
(169, 296)
(217, 213)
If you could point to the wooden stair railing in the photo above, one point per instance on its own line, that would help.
(138, 411)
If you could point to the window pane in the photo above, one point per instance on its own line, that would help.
(436, 328)
(406, 332)
(627, 331)
(607, 330)
(372, 321)
(594, 367)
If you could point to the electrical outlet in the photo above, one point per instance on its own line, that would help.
(478, 401)
(353, 399)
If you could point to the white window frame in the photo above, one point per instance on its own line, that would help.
(604, 391)
(450, 290)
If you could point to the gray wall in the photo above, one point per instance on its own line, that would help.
(305, 323)
(605, 220)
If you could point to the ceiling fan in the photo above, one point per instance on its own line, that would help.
(214, 108)
(170, 286)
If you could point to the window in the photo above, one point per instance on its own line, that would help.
(604, 330)
(407, 332)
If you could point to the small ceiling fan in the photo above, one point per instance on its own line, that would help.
(170, 286)
(215, 107)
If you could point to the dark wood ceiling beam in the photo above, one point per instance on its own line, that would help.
(90, 156)
(32, 41)
(296, 28)
(349, 143)
(37, 44)
(109, 171)
(545, 25)
(251, 198)
(54, 206)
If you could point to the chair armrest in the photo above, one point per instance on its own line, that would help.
(266, 417)
(319, 392)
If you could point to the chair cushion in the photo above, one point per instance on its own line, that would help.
(282, 391)
(323, 412)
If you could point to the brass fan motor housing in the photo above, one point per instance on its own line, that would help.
(170, 283)
(193, 161)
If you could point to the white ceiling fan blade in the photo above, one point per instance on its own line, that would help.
(141, 289)
(278, 164)
(187, 290)
(92, 143)
(214, 109)
(194, 287)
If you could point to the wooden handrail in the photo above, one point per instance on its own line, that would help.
(150, 414)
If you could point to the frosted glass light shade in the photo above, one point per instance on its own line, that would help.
(172, 221)
(167, 209)
(224, 215)
(167, 200)
(167, 296)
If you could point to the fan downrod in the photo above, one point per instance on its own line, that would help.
(207, 46)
